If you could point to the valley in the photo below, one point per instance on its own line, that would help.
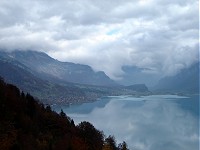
(26, 70)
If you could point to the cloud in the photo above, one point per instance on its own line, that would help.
(154, 124)
(160, 35)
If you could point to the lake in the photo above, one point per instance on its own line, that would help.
(155, 122)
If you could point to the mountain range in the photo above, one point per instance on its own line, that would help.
(48, 68)
(186, 81)
(53, 81)
(18, 74)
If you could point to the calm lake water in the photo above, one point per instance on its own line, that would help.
(156, 122)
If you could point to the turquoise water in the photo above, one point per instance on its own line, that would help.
(155, 122)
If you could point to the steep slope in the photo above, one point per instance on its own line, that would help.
(51, 89)
(29, 125)
(49, 68)
(63, 92)
(18, 74)
(187, 80)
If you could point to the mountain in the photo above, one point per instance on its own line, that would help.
(16, 73)
(138, 87)
(48, 68)
(136, 75)
(187, 81)
(29, 125)
(50, 89)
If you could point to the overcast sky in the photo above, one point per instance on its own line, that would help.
(161, 35)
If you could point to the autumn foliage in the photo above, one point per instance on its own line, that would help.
(26, 124)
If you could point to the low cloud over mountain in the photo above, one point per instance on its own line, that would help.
(160, 35)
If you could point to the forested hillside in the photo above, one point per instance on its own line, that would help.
(26, 124)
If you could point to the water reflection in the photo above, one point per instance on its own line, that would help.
(145, 123)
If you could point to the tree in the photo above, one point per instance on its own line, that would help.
(72, 123)
(93, 137)
(122, 146)
(62, 114)
(48, 108)
(110, 143)
(27, 124)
